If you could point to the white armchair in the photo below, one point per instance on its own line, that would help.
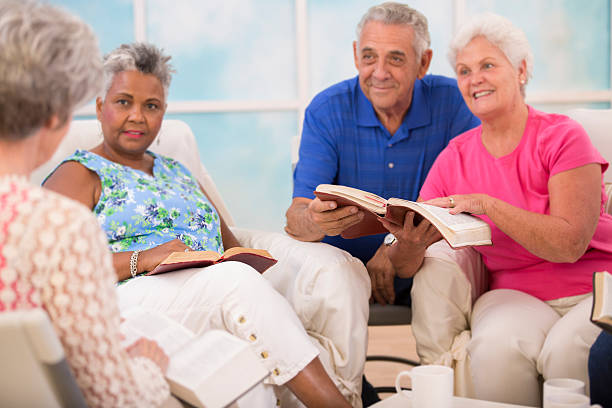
(35, 372)
(327, 287)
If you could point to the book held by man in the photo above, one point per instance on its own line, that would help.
(212, 369)
(601, 314)
(259, 259)
(458, 230)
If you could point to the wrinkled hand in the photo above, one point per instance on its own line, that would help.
(469, 203)
(332, 220)
(144, 347)
(149, 259)
(407, 253)
(382, 274)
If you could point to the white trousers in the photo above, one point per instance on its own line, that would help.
(500, 344)
(329, 291)
(326, 288)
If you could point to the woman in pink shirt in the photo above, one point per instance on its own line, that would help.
(538, 181)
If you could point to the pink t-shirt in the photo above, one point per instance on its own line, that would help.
(551, 144)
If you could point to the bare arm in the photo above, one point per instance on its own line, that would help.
(311, 220)
(77, 182)
(562, 236)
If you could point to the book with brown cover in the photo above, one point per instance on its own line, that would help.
(458, 230)
(258, 259)
(601, 313)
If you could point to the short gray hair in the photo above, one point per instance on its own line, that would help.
(500, 32)
(391, 13)
(49, 64)
(141, 57)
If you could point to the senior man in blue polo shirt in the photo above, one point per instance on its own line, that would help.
(380, 132)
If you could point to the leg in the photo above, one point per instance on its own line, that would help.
(329, 291)
(444, 289)
(566, 349)
(508, 332)
(600, 370)
(234, 297)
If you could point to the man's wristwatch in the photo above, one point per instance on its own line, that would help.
(389, 239)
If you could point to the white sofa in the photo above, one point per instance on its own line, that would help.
(317, 279)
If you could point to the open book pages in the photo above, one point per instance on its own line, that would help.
(200, 366)
(601, 313)
(354, 196)
(459, 230)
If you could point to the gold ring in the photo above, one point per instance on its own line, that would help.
(452, 201)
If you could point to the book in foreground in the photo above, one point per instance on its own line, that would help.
(259, 259)
(458, 230)
(212, 369)
(601, 314)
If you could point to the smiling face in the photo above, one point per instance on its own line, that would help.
(388, 66)
(487, 80)
(131, 113)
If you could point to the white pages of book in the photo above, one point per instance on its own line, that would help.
(457, 222)
(212, 369)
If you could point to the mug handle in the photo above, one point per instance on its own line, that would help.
(398, 387)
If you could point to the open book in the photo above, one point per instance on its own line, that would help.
(458, 230)
(259, 259)
(601, 314)
(212, 370)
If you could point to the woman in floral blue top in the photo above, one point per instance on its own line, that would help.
(151, 206)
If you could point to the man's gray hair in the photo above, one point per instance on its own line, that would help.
(49, 64)
(500, 32)
(391, 13)
(141, 57)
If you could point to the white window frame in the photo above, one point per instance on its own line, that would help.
(302, 63)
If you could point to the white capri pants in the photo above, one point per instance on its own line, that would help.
(515, 338)
(234, 297)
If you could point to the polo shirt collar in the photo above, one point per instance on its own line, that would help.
(418, 114)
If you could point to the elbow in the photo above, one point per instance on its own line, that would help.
(572, 251)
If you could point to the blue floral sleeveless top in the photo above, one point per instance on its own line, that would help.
(139, 211)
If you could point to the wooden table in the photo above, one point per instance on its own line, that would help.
(398, 401)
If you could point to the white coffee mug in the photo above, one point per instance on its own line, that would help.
(566, 400)
(562, 385)
(432, 386)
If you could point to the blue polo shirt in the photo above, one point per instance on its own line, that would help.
(343, 142)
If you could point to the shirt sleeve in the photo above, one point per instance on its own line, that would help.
(79, 295)
(318, 155)
(566, 145)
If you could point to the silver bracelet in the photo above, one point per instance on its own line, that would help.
(134, 263)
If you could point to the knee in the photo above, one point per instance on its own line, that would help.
(234, 276)
(493, 345)
(345, 281)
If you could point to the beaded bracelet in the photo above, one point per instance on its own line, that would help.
(134, 263)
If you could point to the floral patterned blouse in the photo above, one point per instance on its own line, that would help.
(139, 211)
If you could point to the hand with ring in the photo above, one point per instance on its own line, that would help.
(468, 203)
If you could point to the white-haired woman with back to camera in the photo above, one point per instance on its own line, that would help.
(53, 254)
(537, 180)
